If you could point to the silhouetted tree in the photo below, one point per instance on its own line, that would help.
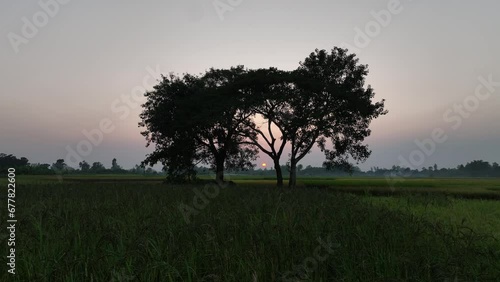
(40, 169)
(114, 166)
(97, 167)
(299, 167)
(21, 165)
(478, 168)
(268, 101)
(84, 166)
(11, 161)
(138, 169)
(496, 169)
(328, 100)
(59, 165)
(208, 119)
(193, 119)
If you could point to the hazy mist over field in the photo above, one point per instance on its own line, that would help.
(429, 60)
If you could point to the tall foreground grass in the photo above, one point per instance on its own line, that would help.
(135, 232)
(480, 215)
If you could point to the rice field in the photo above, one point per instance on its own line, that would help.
(133, 228)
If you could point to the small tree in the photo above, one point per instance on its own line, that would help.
(59, 165)
(299, 167)
(84, 166)
(114, 166)
(138, 169)
(97, 167)
(496, 169)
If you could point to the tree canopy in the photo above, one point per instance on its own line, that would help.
(211, 118)
(198, 119)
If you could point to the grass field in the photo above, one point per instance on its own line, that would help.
(134, 228)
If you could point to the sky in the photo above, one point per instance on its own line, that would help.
(73, 72)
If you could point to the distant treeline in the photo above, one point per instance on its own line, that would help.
(477, 168)
(23, 166)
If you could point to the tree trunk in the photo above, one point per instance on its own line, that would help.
(293, 174)
(219, 170)
(279, 173)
